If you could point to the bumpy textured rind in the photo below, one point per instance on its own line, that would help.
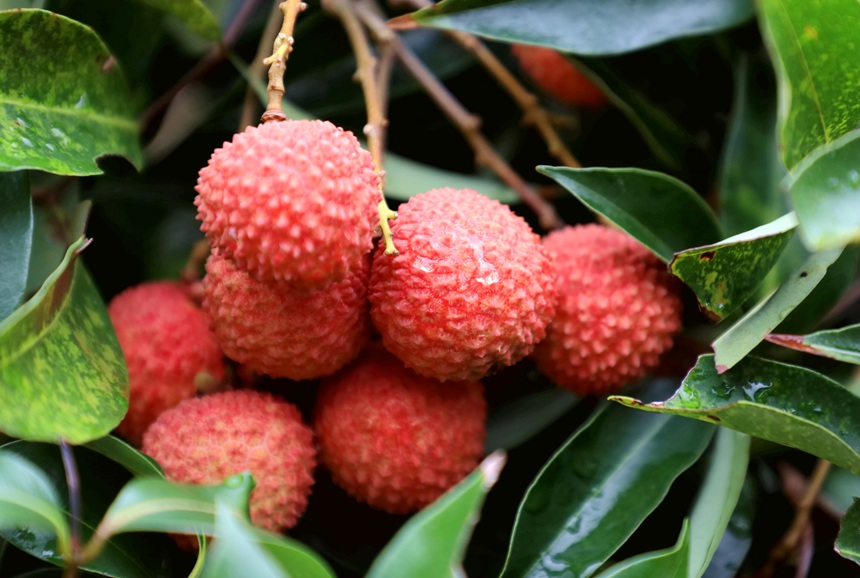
(617, 312)
(169, 349)
(293, 201)
(471, 290)
(556, 76)
(274, 330)
(394, 439)
(207, 439)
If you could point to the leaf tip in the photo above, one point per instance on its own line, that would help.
(492, 466)
(404, 22)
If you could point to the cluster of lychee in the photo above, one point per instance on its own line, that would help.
(297, 287)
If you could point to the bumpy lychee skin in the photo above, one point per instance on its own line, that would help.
(617, 312)
(282, 333)
(207, 439)
(471, 290)
(292, 201)
(394, 439)
(556, 76)
(169, 349)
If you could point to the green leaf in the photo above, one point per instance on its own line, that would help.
(786, 404)
(841, 344)
(717, 498)
(726, 274)
(659, 211)
(848, 541)
(840, 487)
(192, 13)
(669, 563)
(737, 538)
(62, 373)
(136, 462)
(513, 424)
(16, 239)
(29, 500)
(65, 101)
(432, 543)
(815, 52)
(596, 490)
(826, 194)
(742, 337)
(592, 27)
(55, 227)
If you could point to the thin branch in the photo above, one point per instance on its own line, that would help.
(533, 113)
(466, 122)
(277, 62)
(256, 68)
(73, 481)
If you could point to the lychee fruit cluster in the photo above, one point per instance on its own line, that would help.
(394, 439)
(617, 311)
(169, 350)
(556, 76)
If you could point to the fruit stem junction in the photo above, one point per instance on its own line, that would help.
(277, 62)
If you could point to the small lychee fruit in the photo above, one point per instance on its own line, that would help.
(274, 330)
(168, 347)
(556, 76)
(292, 201)
(394, 439)
(617, 312)
(471, 290)
(205, 440)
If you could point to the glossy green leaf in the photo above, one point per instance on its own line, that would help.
(62, 373)
(65, 100)
(815, 51)
(29, 500)
(192, 13)
(826, 194)
(737, 538)
(724, 275)
(513, 424)
(596, 490)
(433, 542)
(136, 462)
(54, 229)
(786, 404)
(589, 26)
(717, 498)
(848, 541)
(842, 344)
(669, 563)
(16, 239)
(839, 489)
(659, 211)
(742, 337)
(751, 171)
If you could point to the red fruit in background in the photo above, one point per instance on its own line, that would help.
(556, 76)
(394, 439)
(471, 290)
(205, 440)
(292, 201)
(168, 347)
(274, 330)
(617, 310)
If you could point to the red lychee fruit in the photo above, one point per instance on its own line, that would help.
(394, 439)
(556, 76)
(169, 349)
(471, 290)
(618, 310)
(292, 201)
(273, 330)
(207, 439)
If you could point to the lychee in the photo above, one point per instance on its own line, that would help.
(207, 439)
(273, 330)
(169, 349)
(292, 201)
(618, 310)
(394, 439)
(471, 290)
(556, 76)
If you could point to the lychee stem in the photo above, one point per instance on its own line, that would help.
(277, 62)
(257, 67)
(374, 84)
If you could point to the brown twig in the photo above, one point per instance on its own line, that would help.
(368, 75)
(256, 68)
(277, 62)
(467, 123)
(533, 113)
